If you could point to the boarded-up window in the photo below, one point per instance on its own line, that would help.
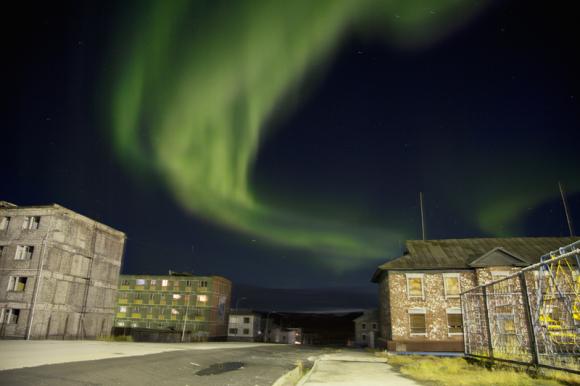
(415, 285)
(454, 323)
(451, 284)
(418, 325)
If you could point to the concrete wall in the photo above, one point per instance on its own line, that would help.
(73, 272)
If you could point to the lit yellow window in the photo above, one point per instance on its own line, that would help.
(452, 287)
(415, 285)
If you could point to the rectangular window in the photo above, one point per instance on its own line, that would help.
(151, 296)
(176, 296)
(125, 282)
(140, 282)
(454, 321)
(203, 283)
(11, 316)
(233, 330)
(1, 250)
(4, 223)
(415, 285)
(153, 282)
(136, 310)
(364, 326)
(123, 295)
(123, 309)
(374, 326)
(417, 321)
(246, 331)
(137, 296)
(202, 298)
(451, 285)
(31, 222)
(17, 283)
(246, 320)
(164, 283)
(23, 252)
(174, 311)
(188, 283)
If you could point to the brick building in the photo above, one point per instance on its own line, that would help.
(198, 305)
(58, 273)
(419, 305)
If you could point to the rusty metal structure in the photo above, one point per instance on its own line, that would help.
(531, 317)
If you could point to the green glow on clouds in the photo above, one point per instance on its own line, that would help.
(199, 85)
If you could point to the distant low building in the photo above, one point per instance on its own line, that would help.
(245, 325)
(419, 305)
(195, 305)
(58, 273)
(366, 328)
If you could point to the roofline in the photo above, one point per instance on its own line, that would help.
(68, 211)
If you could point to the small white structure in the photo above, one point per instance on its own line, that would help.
(366, 328)
(244, 325)
(285, 335)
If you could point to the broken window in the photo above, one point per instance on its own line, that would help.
(451, 285)
(4, 223)
(415, 285)
(31, 222)
(17, 283)
(417, 321)
(23, 252)
(454, 321)
(11, 316)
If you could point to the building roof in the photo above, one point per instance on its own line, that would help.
(368, 316)
(471, 253)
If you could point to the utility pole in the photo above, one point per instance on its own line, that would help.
(185, 318)
(422, 216)
(566, 210)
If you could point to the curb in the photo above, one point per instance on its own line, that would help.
(305, 378)
(290, 378)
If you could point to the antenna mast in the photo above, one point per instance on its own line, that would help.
(566, 210)
(422, 216)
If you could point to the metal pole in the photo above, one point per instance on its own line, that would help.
(566, 210)
(529, 321)
(185, 318)
(422, 216)
(487, 323)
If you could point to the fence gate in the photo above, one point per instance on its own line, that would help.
(531, 317)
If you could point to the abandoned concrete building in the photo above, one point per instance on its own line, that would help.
(58, 273)
(366, 328)
(197, 306)
(245, 325)
(419, 304)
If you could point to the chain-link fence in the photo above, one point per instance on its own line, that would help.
(530, 317)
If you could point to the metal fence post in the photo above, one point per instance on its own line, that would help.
(487, 323)
(529, 321)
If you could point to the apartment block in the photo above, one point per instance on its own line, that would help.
(58, 273)
(196, 305)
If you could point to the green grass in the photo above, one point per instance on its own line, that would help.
(459, 372)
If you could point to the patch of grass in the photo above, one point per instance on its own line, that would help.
(118, 338)
(458, 372)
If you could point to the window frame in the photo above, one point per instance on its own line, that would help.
(445, 288)
(417, 311)
(5, 223)
(421, 276)
(454, 311)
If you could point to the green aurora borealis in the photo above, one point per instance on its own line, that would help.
(200, 86)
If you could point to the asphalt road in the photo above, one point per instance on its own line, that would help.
(260, 366)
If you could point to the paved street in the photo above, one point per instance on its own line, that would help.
(258, 365)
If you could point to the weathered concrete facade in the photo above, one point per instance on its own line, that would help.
(58, 273)
(419, 303)
(245, 325)
(366, 328)
(198, 305)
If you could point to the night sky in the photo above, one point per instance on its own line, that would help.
(284, 144)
